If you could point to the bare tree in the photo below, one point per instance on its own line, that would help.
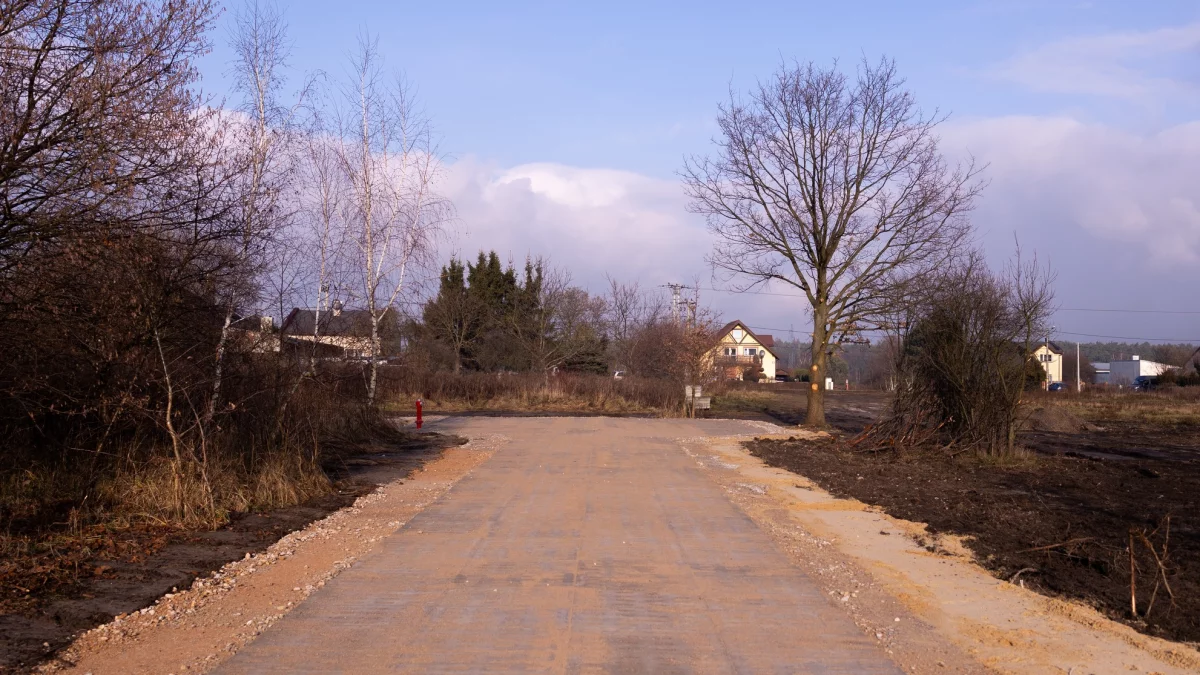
(629, 311)
(323, 200)
(259, 41)
(391, 164)
(554, 322)
(96, 110)
(967, 356)
(834, 187)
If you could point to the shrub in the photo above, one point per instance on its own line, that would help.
(583, 392)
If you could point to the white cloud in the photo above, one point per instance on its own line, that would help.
(1117, 213)
(589, 221)
(1138, 191)
(1128, 64)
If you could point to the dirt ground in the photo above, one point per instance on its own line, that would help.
(1058, 524)
(1061, 516)
(140, 565)
(786, 403)
(873, 563)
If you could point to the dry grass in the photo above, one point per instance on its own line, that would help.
(61, 514)
(1171, 407)
(528, 392)
(193, 496)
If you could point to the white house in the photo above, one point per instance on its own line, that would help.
(1125, 372)
(341, 332)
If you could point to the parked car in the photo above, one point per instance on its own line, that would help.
(1144, 383)
(782, 378)
(1056, 386)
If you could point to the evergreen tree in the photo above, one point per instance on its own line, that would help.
(456, 317)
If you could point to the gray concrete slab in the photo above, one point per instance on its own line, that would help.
(586, 545)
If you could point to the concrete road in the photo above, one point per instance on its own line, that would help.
(584, 545)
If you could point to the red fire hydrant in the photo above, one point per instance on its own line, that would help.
(418, 413)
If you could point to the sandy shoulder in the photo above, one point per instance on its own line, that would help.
(195, 629)
(928, 608)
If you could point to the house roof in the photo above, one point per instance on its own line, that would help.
(766, 341)
(1053, 347)
(347, 323)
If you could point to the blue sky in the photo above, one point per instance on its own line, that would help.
(564, 125)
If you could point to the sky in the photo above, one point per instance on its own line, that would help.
(564, 126)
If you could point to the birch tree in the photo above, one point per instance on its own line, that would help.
(259, 42)
(836, 188)
(390, 165)
(324, 202)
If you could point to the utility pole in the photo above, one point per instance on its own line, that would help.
(1078, 382)
(676, 299)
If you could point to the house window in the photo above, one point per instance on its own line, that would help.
(738, 334)
(731, 351)
(751, 351)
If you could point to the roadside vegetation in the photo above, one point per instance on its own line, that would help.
(146, 235)
(493, 338)
(574, 393)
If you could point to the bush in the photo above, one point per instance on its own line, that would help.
(968, 358)
(582, 392)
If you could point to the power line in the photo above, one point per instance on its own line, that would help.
(1127, 311)
(728, 290)
(1060, 332)
(1060, 309)
(1119, 337)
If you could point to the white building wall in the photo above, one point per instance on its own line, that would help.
(1125, 372)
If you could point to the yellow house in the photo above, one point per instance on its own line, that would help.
(1051, 358)
(740, 350)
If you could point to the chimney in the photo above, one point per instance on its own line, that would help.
(337, 307)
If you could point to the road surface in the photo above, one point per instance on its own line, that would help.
(583, 545)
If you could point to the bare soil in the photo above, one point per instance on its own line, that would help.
(1059, 523)
(787, 402)
(126, 569)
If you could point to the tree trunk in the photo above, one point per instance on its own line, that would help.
(816, 390)
(218, 372)
(374, 358)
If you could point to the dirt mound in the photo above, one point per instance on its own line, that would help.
(1055, 419)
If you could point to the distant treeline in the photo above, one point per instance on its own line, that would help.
(1170, 354)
